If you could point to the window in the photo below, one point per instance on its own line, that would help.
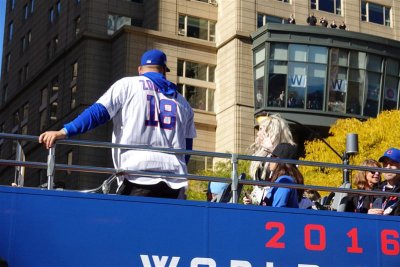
(116, 22)
(77, 25)
(73, 96)
(25, 12)
(51, 15)
(391, 90)
(199, 97)
(23, 44)
(296, 79)
(332, 6)
(29, 38)
(53, 111)
(10, 31)
(20, 77)
(196, 28)
(58, 8)
(285, 1)
(263, 19)
(43, 109)
(74, 71)
(32, 5)
(26, 72)
(16, 119)
(54, 87)
(24, 118)
(55, 45)
(375, 13)
(12, 4)
(25, 113)
(195, 70)
(8, 63)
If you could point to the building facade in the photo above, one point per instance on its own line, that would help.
(59, 56)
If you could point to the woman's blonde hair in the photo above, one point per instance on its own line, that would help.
(277, 130)
(360, 178)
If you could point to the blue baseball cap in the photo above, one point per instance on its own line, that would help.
(154, 57)
(391, 153)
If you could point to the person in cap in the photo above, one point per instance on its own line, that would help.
(283, 173)
(146, 110)
(388, 205)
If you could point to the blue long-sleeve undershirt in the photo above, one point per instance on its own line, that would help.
(90, 118)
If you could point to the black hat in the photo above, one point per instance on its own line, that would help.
(285, 151)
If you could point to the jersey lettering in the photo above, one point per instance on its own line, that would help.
(167, 115)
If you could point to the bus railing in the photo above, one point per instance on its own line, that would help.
(51, 166)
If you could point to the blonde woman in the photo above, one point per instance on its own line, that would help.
(364, 180)
(273, 131)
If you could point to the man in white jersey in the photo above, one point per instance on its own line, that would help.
(146, 110)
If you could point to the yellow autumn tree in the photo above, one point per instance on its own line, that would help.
(375, 135)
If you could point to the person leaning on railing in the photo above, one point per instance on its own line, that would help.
(388, 205)
(146, 110)
(364, 180)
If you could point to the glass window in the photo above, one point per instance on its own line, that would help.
(374, 63)
(196, 96)
(51, 15)
(338, 82)
(392, 67)
(316, 86)
(58, 8)
(375, 13)
(298, 52)
(279, 51)
(10, 31)
(332, 6)
(32, 5)
(259, 56)
(12, 4)
(77, 25)
(44, 95)
(53, 111)
(355, 91)
(211, 73)
(43, 120)
(372, 96)
(55, 86)
(8, 63)
(391, 93)
(297, 83)
(318, 54)
(259, 86)
(75, 71)
(357, 59)
(25, 112)
(73, 96)
(263, 19)
(196, 70)
(25, 12)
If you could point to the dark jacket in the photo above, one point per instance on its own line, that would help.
(358, 203)
(393, 202)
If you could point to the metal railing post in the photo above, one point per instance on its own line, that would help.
(234, 185)
(51, 162)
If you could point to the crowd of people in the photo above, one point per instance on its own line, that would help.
(313, 21)
(289, 174)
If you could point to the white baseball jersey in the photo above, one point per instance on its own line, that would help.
(143, 116)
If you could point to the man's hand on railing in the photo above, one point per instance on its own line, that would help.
(48, 138)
